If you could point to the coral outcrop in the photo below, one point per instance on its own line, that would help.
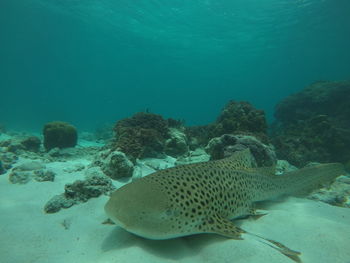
(80, 191)
(12, 146)
(27, 171)
(314, 124)
(176, 145)
(115, 164)
(227, 144)
(59, 134)
(143, 135)
(240, 117)
(235, 118)
(31, 143)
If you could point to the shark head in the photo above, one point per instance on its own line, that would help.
(143, 208)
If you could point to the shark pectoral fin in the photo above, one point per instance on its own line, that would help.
(108, 221)
(292, 254)
(222, 226)
(253, 213)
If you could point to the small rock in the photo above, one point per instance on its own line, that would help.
(8, 159)
(156, 164)
(80, 191)
(93, 186)
(196, 156)
(43, 176)
(66, 223)
(19, 177)
(198, 152)
(58, 202)
(142, 169)
(284, 166)
(93, 171)
(177, 144)
(54, 152)
(117, 165)
(30, 166)
(75, 168)
(329, 197)
(15, 147)
(227, 144)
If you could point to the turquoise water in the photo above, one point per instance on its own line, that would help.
(92, 62)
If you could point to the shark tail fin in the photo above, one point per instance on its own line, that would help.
(308, 179)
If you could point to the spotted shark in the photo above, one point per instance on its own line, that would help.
(206, 197)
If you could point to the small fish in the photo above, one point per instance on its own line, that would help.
(205, 197)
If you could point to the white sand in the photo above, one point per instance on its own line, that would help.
(320, 231)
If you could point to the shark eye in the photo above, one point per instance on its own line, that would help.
(172, 212)
(169, 212)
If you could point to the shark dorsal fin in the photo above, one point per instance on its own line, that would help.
(241, 160)
(245, 160)
(267, 171)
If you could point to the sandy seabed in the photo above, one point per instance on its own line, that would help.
(319, 231)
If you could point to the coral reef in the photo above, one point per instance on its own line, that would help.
(240, 117)
(146, 135)
(80, 191)
(143, 135)
(314, 124)
(59, 134)
(31, 143)
(227, 144)
(235, 118)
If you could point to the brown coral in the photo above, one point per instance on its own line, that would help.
(314, 124)
(59, 134)
(142, 135)
(235, 118)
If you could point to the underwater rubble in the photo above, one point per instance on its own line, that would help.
(94, 185)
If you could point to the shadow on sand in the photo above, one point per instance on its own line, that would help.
(175, 249)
